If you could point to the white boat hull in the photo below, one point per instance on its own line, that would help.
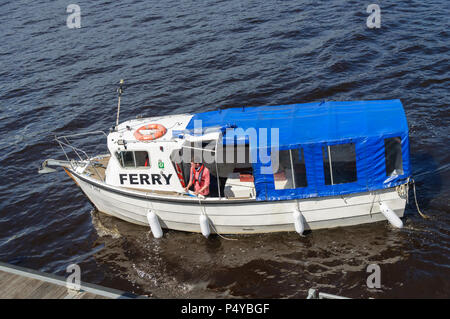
(240, 216)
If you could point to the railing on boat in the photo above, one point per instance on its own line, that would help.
(64, 141)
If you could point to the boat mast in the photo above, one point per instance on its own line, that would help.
(120, 91)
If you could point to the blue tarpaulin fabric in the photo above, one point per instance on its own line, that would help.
(310, 127)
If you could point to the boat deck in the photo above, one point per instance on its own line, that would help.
(100, 168)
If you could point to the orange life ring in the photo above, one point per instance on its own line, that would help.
(159, 130)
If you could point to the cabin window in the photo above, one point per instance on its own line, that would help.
(127, 159)
(290, 172)
(339, 163)
(133, 159)
(393, 155)
(142, 159)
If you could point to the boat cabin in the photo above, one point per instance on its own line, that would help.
(267, 153)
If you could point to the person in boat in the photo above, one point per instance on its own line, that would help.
(200, 178)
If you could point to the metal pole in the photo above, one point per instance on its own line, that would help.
(292, 169)
(329, 160)
(119, 90)
(217, 169)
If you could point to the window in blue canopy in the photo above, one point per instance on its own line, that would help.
(298, 161)
(290, 172)
(282, 173)
(393, 154)
(339, 163)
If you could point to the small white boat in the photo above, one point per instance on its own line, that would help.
(273, 168)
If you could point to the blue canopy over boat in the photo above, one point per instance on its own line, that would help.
(370, 130)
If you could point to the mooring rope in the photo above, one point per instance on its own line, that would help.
(210, 223)
(415, 199)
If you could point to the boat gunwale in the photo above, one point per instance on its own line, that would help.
(149, 196)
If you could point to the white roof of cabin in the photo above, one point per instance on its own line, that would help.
(125, 131)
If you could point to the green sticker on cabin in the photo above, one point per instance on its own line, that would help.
(160, 164)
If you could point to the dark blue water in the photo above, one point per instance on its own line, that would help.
(191, 56)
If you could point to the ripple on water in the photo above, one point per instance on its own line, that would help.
(193, 57)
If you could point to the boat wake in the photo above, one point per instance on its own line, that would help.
(100, 228)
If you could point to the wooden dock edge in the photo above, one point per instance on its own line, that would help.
(61, 281)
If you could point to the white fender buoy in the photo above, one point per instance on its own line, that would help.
(298, 222)
(154, 224)
(204, 225)
(390, 215)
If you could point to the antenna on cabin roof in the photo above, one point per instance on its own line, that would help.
(120, 91)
